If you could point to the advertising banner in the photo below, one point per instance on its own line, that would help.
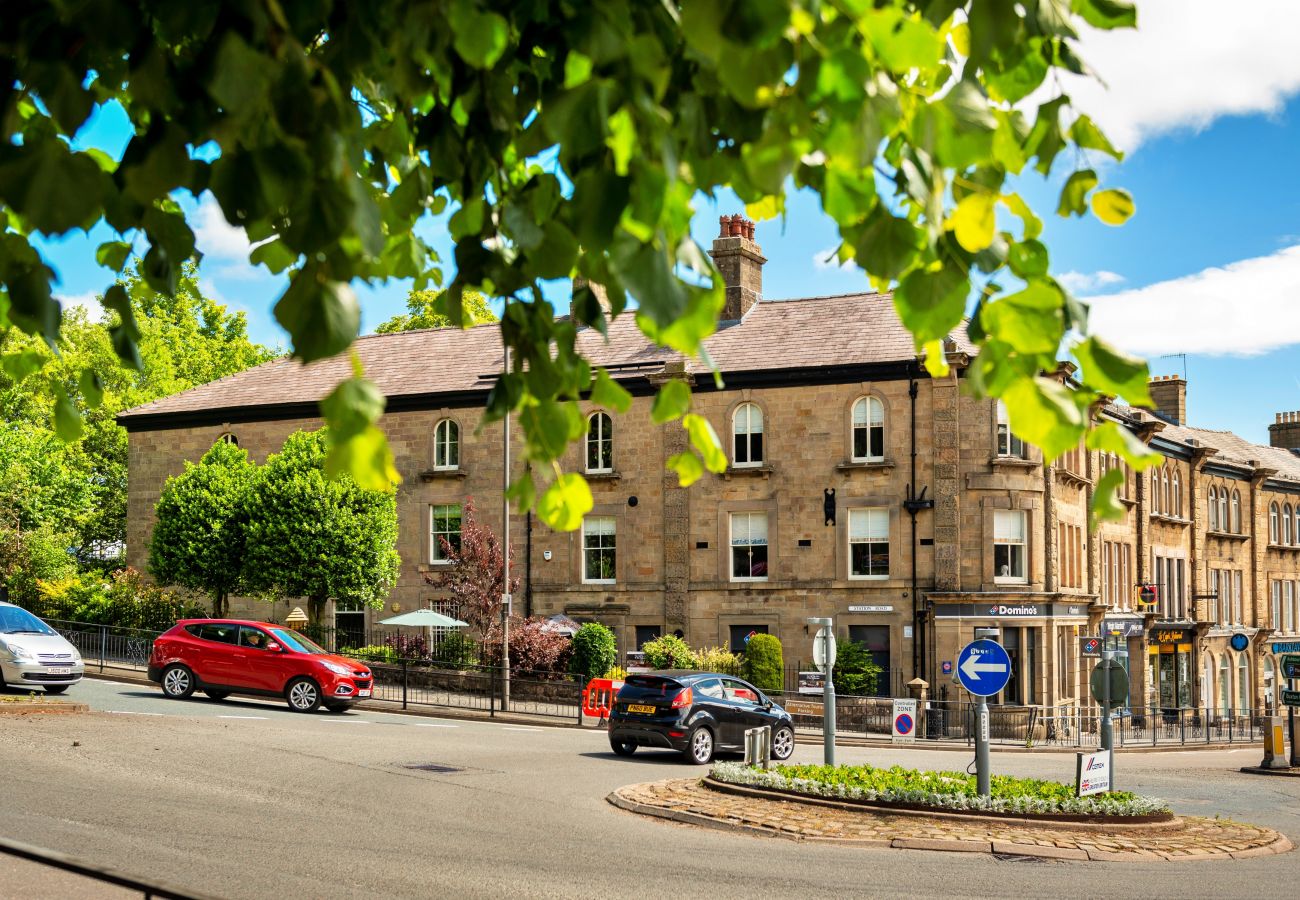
(1092, 773)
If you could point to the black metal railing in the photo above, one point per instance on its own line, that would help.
(420, 683)
(107, 646)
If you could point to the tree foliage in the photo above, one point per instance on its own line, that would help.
(422, 312)
(474, 575)
(594, 650)
(316, 537)
(564, 139)
(199, 535)
(856, 672)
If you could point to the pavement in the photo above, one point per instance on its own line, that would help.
(694, 801)
(246, 799)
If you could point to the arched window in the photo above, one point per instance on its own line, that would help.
(868, 430)
(1008, 443)
(1295, 525)
(228, 438)
(747, 430)
(1177, 508)
(1225, 686)
(1243, 684)
(1236, 512)
(1286, 524)
(600, 443)
(1155, 491)
(1213, 506)
(1223, 509)
(446, 445)
(1273, 532)
(1166, 504)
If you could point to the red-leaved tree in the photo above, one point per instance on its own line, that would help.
(472, 575)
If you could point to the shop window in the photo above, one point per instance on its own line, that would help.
(747, 434)
(868, 543)
(444, 532)
(1009, 546)
(876, 640)
(1008, 444)
(868, 430)
(446, 445)
(598, 550)
(749, 546)
(1021, 647)
(740, 635)
(600, 443)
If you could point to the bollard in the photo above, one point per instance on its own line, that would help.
(758, 747)
(1274, 744)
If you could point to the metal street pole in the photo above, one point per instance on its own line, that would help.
(982, 765)
(826, 636)
(505, 553)
(1291, 727)
(1107, 736)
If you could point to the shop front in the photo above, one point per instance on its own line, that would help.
(1170, 666)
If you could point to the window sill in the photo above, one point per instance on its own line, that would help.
(435, 474)
(1013, 462)
(1011, 581)
(876, 578)
(748, 581)
(599, 582)
(1173, 520)
(1294, 548)
(602, 476)
(764, 471)
(433, 566)
(1230, 536)
(850, 465)
(1073, 477)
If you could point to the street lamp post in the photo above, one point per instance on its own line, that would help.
(505, 553)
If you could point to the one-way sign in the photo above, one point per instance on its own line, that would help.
(983, 667)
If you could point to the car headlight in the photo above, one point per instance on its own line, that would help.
(336, 668)
(21, 654)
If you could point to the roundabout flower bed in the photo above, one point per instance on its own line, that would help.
(942, 792)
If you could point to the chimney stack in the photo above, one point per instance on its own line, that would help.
(740, 261)
(1169, 393)
(597, 290)
(1285, 431)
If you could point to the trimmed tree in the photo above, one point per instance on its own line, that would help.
(317, 537)
(594, 650)
(764, 663)
(199, 538)
(473, 574)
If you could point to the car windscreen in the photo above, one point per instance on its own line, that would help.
(649, 688)
(14, 620)
(294, 641)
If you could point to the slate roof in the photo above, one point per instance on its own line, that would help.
(1238, 450)
(775, 335)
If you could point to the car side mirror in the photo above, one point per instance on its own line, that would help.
(273, 647)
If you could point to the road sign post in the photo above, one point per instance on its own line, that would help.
(983, 668)
(824, 659)
(1109, 683)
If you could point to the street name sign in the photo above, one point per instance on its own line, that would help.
(1291, 698)
(983, 667)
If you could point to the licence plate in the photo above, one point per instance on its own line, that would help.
(60, 671)
(640, 708)
(364, 692)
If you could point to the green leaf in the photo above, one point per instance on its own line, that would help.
(1032, 224)
(622, 140)
(113, 254)
(366, 457)
(672, 402)
(53, 189)
(1043, 412)
(1113, 206)
(1113, 372)
(67, 419)
(688, 467)
(768, 208)
(125, 333)
(1109, 437)
(705, 440)
(1106, 13)
(577, 69)
(1074, 194)
(564, 502)
(321, 316)
(973, 222)
(480, 37)
(1105, 504)
(931, 303)
(1086, 134)
(1028, 259)
(550, 425)
(92, 388)
(608, 393)
(1030, 320)
(888, 245)
(22, 363)
(274, 255)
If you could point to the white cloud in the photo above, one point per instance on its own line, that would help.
(1246, 308)
(87, 300)
(216, 237)
(1188, 63)
(827, 259)
(1081, 282)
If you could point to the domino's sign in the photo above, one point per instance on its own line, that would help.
(1092, 773)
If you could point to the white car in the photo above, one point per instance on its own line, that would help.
(32, 654)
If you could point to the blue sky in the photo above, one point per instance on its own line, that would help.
(1205, 99)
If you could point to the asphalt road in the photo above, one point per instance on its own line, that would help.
(246, 799)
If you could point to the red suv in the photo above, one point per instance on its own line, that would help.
(230, 656)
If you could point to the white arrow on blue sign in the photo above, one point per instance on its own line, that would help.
(983, 667)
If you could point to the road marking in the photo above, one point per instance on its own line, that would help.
(520, 728)
(346, 721)
(432, 725)
(129, 712)
(242, 717)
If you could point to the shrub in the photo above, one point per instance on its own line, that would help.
(124, 600)
(457, 651)
(720, 659)
(408, 646)
(669, 652)
(617, 673)
(375, 653)
(855, 672)
(533, 648)
(764, 664)
(594, 650)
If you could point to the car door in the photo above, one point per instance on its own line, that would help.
(746, 706)
(214, 663)
(253, 666)
(710, 697)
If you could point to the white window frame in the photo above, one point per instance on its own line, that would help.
(1002, 519)
(1008, 445)
(600, 432)
(1238, 583)
(872, 422)
(1277, 605)
(1216, 612)
(1223, 509)
(446, 445)
(1236, 512)
(873, 535)
(752, 413)
(1287, 537)
(1274, 531)
(1295, 525)
(1176, 483)
(595, 527)
(436, 557)
(750, 517)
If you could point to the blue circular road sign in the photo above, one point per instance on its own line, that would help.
(903, 724)
(1240, 642)
(983, 667)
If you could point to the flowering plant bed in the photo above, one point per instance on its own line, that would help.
(912, 789)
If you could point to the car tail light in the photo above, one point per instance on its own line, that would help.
(684, 698)
(677, 734)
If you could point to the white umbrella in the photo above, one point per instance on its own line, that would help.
(561, 624)
(426, 618)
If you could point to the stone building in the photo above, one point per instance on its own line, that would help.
(857, 487)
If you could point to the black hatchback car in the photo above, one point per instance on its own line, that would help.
(695, 713)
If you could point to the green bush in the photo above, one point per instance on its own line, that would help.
(124, 600)
(669, 652)
(374, 653)
(720, 659)
(764, 664)
(594, 650)
(456, 651)
(855, 671)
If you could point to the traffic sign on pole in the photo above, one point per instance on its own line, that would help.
(824, 649)
(1114, 673)
(983, 667)
(1291, 665)
(904, 721)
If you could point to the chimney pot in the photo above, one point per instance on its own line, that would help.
(740, 261)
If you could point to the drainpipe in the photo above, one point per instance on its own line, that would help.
(913, 504)
(528, 564)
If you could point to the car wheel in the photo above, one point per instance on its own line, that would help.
(303, 695)
(622, 748)
(782, 742)
(177, 682)
(216, 695)
(55, 688)
(699, 746)
(337, 707)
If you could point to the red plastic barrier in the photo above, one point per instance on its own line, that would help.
(598, 697)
